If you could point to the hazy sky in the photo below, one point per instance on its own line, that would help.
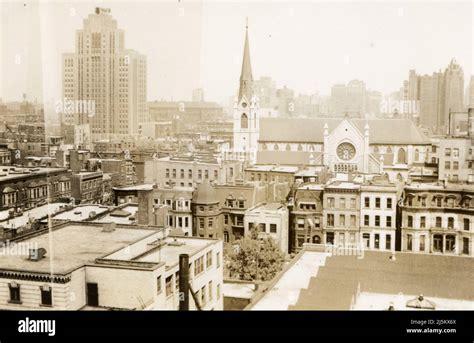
(308, 46)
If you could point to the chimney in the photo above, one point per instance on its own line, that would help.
(184, 282)
(109, 227)
(145, 207)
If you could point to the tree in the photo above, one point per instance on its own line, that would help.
(251, 258)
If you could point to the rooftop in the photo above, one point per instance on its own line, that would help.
(81, 212)
(34, 213)
(72, 246)
(8, 173)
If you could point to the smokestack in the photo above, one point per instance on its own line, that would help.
(184, 282)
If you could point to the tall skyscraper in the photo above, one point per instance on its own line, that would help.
(439, 95)
(104, 84)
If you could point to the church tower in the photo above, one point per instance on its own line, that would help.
(246, 126)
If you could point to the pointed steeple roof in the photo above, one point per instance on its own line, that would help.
(246, 79)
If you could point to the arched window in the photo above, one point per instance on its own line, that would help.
(417, 155)
(401, 156)
(244, 121)
(389, 150)
(264, 146)
(275, 147)
(288, 147)
(300, 147)
(376, 149)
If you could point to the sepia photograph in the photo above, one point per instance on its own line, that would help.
(258, 160)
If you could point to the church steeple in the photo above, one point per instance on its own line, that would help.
(246, 79)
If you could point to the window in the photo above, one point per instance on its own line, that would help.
(455, 165)
(244, 121)
(377, 220)
(209, 223)
(199, 174)
(169, 285)
(201, 223)
(438, 243)
(199, 266)
(167, 173)
(241, 204)
(158, 285)
(203, 296)
(388, 221)
(450, 243)
(330, 220)
(331, 202)
(15, 293)
(450, 223)
(46, 296)
(409, 242)
(218, 291)
(367, 202)
(273, 228)
(410, 221)
(342, 220)
(330, 237)
(447, 165)
(389, 202)
(447, 152)
(176, 281)
(422, 222)
(174, 173)
(366, 220)
(377, 202)
(190, 173)
(206, 174)
(377, 241)
(366, 238)
(465, 245)
(218, 259)
(353, 203)
(216, 175)
(342, 203)
(422, 242)
(455, 152)
(209, 289)
(467, 224)
(209, 259)
(181, 173)
(388, 242)
(226, 219)
(353, 221)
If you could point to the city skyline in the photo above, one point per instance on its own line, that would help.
(206, 44)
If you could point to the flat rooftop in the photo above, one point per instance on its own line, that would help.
(34, 213)
(167, 251)
(70, 247)
(80, 213)
(135, 187)
(125, 215)
(8, 173)
(274, 206)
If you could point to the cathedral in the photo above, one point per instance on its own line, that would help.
(344, 145)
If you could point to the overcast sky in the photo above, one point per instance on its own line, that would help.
(308, 46)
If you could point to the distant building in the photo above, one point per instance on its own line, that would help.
(87, 187)
(104, 84)
(24, 188)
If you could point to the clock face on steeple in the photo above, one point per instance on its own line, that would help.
(346, 151)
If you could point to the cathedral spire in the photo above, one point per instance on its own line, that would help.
(246, 79)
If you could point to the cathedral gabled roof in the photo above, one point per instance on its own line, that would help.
(246, 78)
(312, 130)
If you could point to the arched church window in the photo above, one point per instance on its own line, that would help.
(275, 147)
(417, 155)
(288, 147)
(389, 150)
(311, 147)
(244, 121)
(401, 156)
(376, 149)
(300, 147)
(264, 146)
